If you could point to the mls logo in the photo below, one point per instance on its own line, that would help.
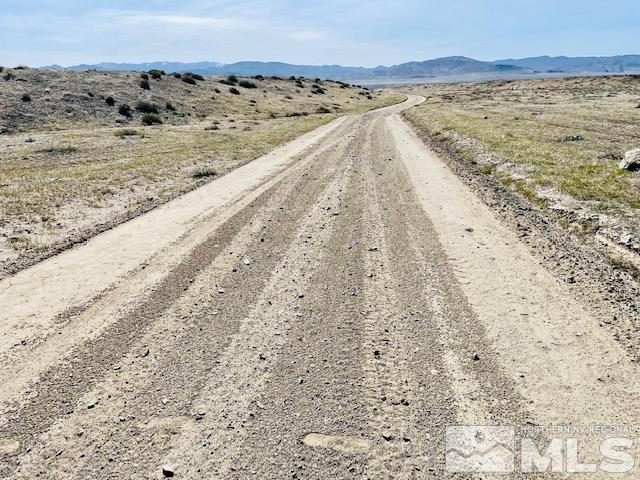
(480, 449)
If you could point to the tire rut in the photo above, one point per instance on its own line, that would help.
(59, 389)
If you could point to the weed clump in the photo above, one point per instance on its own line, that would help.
(247, 84)
(26, 97)
(189, 79)
(204, 172)
(230, 80)
(146, 107)
(125, 110)
(234, 91)
(151, 119)
(144, 84)
(110, 101)
(126, 132)
(58, 150)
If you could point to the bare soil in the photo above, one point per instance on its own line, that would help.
(347, 300)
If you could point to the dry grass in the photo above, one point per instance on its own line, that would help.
(566, 134)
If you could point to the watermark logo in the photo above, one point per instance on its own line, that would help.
(557, 449)
(480, 449)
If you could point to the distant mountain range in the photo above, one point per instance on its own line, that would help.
(440, 67)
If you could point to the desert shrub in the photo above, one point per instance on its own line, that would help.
(177, 75)
(288, 97)
(8, 76)
(258, 77)
(1, 69)
(203, 172)
(126, 132)
(234, 91)
(169, 106)
(212, 127)
(188, 78)
(317, 90)
(125, 110)
(22, 67)
(146, 107)
(323, 110)
(317, 80)
(247, 84)
(151, 119)
(232, 78)
(572, 138)
(58, 150)
(217, 90)
(144, 84)
(191, 78)
(110, 101)
(144, 76)
(156, 74)
(26, 97)
(224, 81)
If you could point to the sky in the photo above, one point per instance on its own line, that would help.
(346, 32)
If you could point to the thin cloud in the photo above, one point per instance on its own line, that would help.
(191, 21)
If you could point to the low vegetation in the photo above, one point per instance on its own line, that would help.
(151, 119)
(568, 135)
(147, 107)
(126, 132)
(125, 110)
(558, 142)
(247, 84)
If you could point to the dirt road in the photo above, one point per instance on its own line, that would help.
(326, 311)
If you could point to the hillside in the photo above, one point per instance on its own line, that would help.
(83, 151)
(60, 99)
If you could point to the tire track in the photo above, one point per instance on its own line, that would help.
(229, 398)
(56, 396)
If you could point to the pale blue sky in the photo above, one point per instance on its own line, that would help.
(38, 32)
